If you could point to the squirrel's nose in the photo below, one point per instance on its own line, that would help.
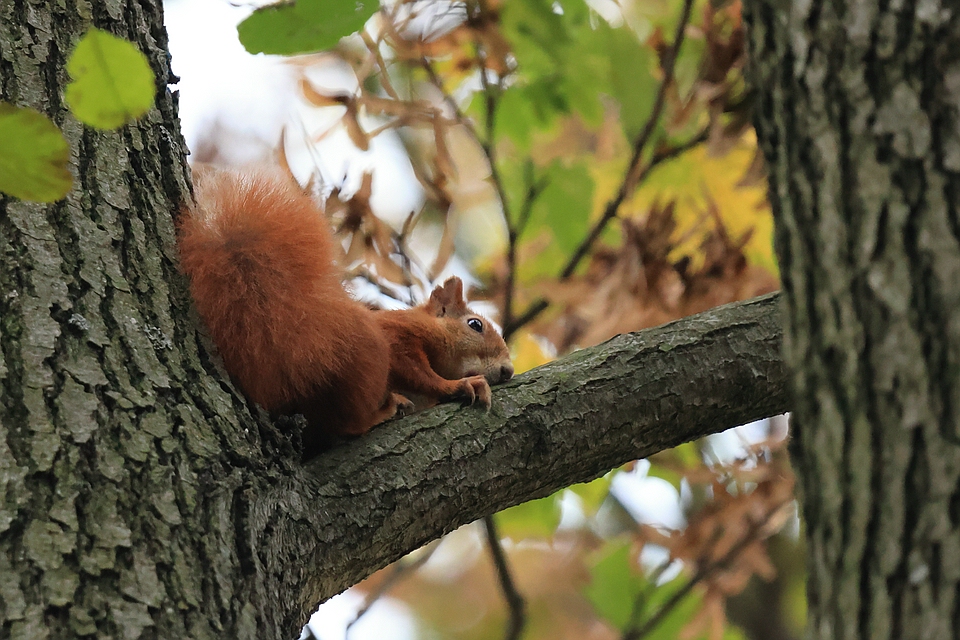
(506, 372)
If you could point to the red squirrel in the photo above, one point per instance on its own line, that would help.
(259, 254)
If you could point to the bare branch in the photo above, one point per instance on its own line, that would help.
(514, 229)
(447, 98)
(374, 49)
(633, 176)
(614, 205)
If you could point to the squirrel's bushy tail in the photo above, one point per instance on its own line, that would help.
(259, 256)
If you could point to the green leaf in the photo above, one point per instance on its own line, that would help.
(303, 26)
(565, 205)
(112, 81)
(614, 583)
(537, 34)
(559, 218)
(33, 156)
(557, 70)
(543, 265)
(688, 454)
(533, 519)
(632, 82)
(526, 109)
(592, 494)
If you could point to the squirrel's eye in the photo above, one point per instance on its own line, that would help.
(475, 324)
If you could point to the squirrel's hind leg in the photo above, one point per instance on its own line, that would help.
(394, 404)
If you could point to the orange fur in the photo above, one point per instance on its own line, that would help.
(259, 256)
(434, 355)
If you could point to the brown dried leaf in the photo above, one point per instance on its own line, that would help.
(756, 173)
(444, 251)
(725, 40)
(320, 99)
(350, 121)
(638, 284)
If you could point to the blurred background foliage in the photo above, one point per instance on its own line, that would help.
(592, 165)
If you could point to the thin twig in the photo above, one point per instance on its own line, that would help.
(447, 98)
(400, 571)
(374, 49)
(639, 603)
(514, 225)
(536, 307)
(703, 572)
(363, 273)
(633, 175)
(492, 95)
(534, 189)
(515, 602)
(514, 229)
(487, 144)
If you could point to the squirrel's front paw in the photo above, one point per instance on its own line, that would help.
(475, 389)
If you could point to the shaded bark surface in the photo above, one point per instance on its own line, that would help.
(859, 118)
(141, 497)
(119, 446)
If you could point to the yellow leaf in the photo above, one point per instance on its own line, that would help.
(695, 174)
(527, 352)
(693, 177)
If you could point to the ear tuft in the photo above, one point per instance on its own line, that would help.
(447, 298)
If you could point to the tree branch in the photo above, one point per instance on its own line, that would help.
(516, 605)
(359, 507)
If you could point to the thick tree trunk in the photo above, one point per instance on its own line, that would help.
(138, 495)
(859, 118)
(120, 452)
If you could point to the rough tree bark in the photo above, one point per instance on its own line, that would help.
(859, 118)
(119, 446)
(140, 496)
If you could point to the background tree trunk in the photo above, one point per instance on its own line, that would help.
(859, 118)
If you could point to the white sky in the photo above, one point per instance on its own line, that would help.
(246, 101)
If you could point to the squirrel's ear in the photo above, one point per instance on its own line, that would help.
(447, 298)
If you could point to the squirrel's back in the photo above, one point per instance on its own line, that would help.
(259, 256)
